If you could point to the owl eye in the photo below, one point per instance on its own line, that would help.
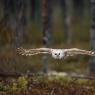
(59, 53)
(55, 53)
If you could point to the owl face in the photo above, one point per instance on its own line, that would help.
(57, 53)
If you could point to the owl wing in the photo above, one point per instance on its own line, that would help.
(76, 51)
(30, 52)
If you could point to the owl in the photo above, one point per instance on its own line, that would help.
(55, 53)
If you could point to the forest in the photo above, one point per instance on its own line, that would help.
(50, 24)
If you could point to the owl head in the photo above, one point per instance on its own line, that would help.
(57, 53)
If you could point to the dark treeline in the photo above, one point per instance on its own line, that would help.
(17, 14)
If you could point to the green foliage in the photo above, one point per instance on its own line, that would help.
(22, 83)
(13, 87)
(19, 84)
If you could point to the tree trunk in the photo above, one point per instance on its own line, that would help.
(15, 18)
(9, 14)
(50, 10)
(20, 9)
(14, 13)
(32, 4)
(35, 12)
(92, 63)
(46, 22)
(67, 9)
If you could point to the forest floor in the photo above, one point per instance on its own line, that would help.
(44, 85)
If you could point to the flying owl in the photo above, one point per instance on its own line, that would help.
(55, 53)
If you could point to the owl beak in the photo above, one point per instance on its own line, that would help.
(57, 56)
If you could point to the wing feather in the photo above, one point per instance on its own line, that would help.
(30, 52)
(76, 51)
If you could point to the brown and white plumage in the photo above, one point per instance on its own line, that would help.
(56, 53)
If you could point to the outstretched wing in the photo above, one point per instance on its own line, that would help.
(76, 51)
(30, 52)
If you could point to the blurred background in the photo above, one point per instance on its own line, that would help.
(46, 23)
